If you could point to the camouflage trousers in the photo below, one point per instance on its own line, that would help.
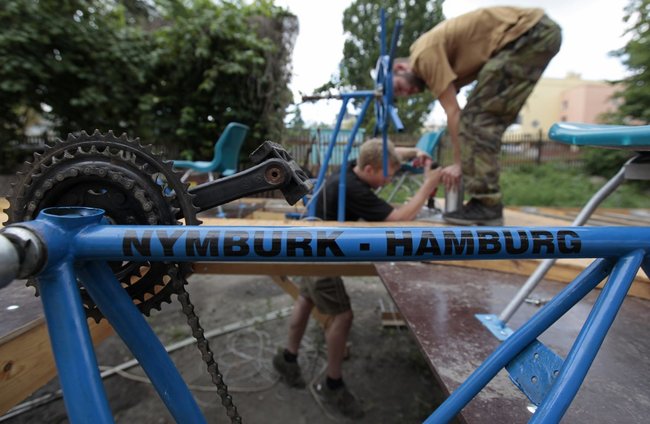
(503, 85)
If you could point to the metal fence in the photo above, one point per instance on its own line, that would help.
(517, 150)
(308, 148)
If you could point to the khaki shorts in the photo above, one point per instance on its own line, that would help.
(328, 294)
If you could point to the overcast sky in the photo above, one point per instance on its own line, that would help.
(590, 30)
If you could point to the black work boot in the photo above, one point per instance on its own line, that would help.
(289, 371)
(475, 212)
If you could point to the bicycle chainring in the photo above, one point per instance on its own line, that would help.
(125, 179)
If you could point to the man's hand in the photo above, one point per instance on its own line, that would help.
(421, 158)
(430, 173)
(451, 176)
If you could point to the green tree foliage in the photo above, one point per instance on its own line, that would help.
(78, 57)
(636, 56)
(361, 23)
(169, 71)
(635, 95)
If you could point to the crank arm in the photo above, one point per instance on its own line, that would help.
(277, 171)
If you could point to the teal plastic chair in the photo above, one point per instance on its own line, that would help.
(226, 154)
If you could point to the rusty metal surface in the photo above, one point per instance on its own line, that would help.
(439, 302)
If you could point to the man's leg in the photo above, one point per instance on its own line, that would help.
(330, 297)
(298, 322)
(336, 337)
(285, 360)
(503, 85)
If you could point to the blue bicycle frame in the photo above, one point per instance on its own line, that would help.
(77, 246)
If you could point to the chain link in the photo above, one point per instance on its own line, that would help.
(204, 347)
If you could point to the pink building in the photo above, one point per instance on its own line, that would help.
(569, 99)
(587, 102)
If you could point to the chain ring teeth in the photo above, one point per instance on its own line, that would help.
(118, 167)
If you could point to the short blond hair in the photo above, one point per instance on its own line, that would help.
(372, 152)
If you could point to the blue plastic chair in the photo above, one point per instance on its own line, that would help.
(226, 154)
(427, 143)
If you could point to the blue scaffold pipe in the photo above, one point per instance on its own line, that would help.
(344, 162)
(330, 148)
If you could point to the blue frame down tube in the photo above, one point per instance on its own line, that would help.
(128, 322)
(85, 397)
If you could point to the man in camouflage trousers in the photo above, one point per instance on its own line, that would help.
(505, 50)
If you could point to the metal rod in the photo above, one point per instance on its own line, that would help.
(546, 264)
(323, 167)
(344, 161)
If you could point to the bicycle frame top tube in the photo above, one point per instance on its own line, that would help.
(347, 244)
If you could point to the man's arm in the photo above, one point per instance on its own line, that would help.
(451, 174)
(408, 153)
(409, 211)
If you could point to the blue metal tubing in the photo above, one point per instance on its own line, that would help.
(118, 308)
(346, 155)
(85, 398)
(323, 167)
(368, 94)
(351, 244)
(519, 340)
(589, 340)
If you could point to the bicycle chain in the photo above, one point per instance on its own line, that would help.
(204, 347)
(133, 186)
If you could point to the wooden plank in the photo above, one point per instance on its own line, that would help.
(563, 271)
(279, 269)
(4, 204)
(26, 361)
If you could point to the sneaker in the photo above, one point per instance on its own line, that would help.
(340, 400)
(289, 371)
(476, 213)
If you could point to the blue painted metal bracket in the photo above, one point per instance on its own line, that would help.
(535, 370)
(496, 326)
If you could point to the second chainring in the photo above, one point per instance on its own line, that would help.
(125, 179)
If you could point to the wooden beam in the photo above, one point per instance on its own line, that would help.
(564, 271)
(281, 269)
(27, 363)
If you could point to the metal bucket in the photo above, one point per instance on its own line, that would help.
(454, 198)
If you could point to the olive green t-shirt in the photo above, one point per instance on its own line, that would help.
(457, 48)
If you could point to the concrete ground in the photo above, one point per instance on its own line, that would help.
(385, 368)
